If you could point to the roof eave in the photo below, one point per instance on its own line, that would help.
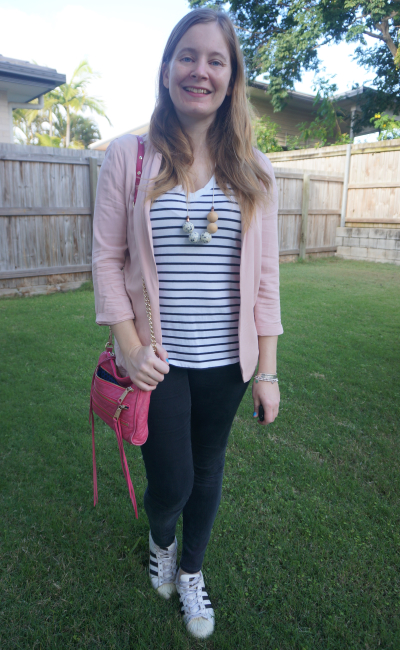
(22, 75)
(291, 93)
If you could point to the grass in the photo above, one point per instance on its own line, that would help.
(305, 551)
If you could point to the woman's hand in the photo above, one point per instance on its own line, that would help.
(267, 394)
(145, 369)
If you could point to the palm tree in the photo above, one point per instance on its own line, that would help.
(62, 111)
(27, 124)
(45, 140)
(51, 99)
(83, 131)
(73, 96)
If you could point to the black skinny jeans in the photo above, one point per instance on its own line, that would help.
(190, 417)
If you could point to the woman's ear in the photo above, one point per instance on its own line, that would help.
(165, 75)
(229, 91)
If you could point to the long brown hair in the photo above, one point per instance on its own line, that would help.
(229, 137)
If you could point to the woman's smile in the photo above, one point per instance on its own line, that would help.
(192, 90)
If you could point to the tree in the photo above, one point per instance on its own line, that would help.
(325, 127)
(323, 130)
(83, 130)
(73, 96)
(389, 128)
(61, 123)
(27, 125)
(51, 100)
(281, 39)
(46, 140)
(265, 131)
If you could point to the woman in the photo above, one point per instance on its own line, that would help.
(203, 234)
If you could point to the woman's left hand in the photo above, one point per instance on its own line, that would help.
(268, 395)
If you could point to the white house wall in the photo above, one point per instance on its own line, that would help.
(5, 119)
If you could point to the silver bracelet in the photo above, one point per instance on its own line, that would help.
(263, 376)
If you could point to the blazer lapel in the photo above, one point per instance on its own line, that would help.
(143, 235)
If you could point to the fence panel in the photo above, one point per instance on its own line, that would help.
(44, 184)
(374, 183)
(45, 218)
(40, 242)
(323, 211)
(374, 186)
(290, 189)
(328, 160)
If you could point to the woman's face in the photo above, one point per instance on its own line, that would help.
(198, 75)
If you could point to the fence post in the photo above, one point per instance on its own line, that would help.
(345, 186)
(92, 183)
(304, 215)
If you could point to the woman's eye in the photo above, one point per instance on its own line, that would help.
(216, 63)
(186, 59)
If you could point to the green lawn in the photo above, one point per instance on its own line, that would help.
(305, 552)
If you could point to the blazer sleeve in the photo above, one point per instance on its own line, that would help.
(267, 311)
(110, 246)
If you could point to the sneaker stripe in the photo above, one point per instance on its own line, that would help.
(162, 566)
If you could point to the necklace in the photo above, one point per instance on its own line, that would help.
(206, 236)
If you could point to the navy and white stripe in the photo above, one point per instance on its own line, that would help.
(199, 283)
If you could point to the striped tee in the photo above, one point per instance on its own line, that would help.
(199, 283)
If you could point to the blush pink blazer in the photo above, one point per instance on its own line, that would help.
(123, 253)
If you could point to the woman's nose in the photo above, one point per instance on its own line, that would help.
(200, 70)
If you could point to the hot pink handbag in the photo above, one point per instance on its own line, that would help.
(116, 400)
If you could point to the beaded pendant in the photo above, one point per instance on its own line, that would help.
(205, 237)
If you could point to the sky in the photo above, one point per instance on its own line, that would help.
(123, 42)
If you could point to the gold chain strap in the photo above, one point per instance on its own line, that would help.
(149, 316)
(153, 341)
(109, 343)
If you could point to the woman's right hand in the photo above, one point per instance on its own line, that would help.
(146, 369)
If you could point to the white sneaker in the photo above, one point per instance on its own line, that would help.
(162, 568)
(196, 608)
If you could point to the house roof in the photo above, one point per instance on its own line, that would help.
(348, 101)
(351, 97)
(101, 145)
(292, 94)
(24, 81)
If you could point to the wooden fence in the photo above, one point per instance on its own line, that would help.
(373, 188)
(309, 212)
(46, 206)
